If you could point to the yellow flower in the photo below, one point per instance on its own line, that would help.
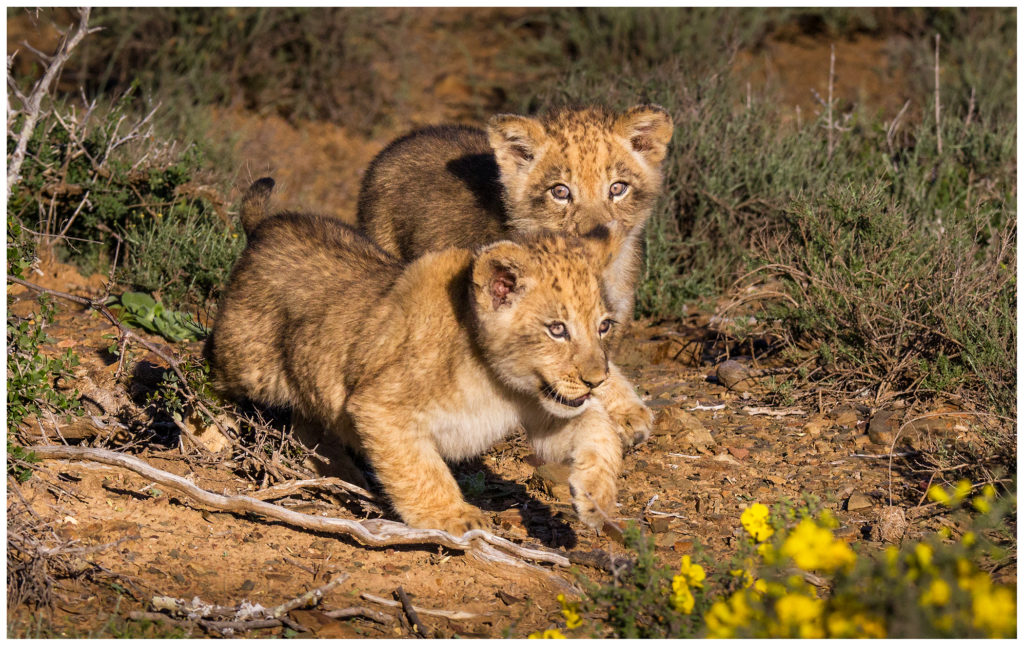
(968, 539)
(800, 615)
(760, 587)
(961, 491)
(746, 575)
(923, 553)
(569, 611)
(755, 520)
(814, 548)
(682, 598)
(692, 573)
(995, 612)
(939, 495)
(937, 594)
(826, 519)
(725, 616)
(550, 633)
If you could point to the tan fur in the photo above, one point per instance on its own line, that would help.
(458, 186)
(433, 361)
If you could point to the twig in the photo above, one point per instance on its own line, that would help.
(290, 487)
(771, 412)
(831, 79)
(882, 456)
(312, 597)
(373, 532)
(449, 614)
(32, 107)
(410, 612)
(360, 611)
(700, 406)
(938, 122)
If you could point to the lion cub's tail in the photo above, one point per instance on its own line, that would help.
(254, 204)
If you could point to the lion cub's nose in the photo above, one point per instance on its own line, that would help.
(594, 378)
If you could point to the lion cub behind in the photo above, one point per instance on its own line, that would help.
(568, 171)
(432, 361)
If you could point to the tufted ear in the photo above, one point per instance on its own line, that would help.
(648, 128)
(499, 275)
(516, 141)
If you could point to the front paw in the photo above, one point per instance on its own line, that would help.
(633, 420)
(593, 497)
(467, 518)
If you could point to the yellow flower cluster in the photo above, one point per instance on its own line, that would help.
(570, 610)
(755, 520)
(993, 607)
(550, 633)
(690, 575)
(953, 497)
(812, 547)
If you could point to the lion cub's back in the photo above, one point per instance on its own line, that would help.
(431, 189)
(298, 274)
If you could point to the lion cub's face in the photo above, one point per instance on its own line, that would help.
(579, 168)
(541, 316)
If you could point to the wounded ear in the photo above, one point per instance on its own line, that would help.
(498, 275)
(648, 129)
(516, 140)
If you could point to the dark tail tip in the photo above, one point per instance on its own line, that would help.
(254, 204)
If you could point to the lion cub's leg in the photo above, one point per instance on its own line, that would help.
(419, 484)
(627, 411)
(590, 443)
(333, 447)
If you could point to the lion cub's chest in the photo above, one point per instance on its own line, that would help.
(471, 420)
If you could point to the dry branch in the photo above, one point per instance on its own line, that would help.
(410, 612)
(32, 105)
(449, 614)
(374, 532)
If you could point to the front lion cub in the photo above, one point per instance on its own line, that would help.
(432, 361)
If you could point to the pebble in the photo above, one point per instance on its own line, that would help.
(857, 501)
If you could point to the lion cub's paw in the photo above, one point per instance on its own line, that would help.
(633, 420)
(593, 496)
(468, 518)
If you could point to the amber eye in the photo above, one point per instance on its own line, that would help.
(618, 189)
(605, 326)
(557, 330)
(561, 192)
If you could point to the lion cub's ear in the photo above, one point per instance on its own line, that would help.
(499, 275)
(516, 141)
(648, 128)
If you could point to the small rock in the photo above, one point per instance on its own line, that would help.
(554, 480)
(689, 429)
(883, 427)
(728, 459)
(659, 524)
(683, 546)
(849, 414)
(738, 453)
(731, 373)
(815, 425)
(890, 526)
(857, 501)
(665, 540)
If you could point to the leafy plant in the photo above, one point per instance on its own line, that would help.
(32, 375)
(141, 310)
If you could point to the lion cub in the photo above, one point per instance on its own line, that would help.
(432, 361)
(569, 171)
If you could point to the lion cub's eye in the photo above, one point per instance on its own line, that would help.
(561, 192)
(557, 330)
(618, 189)
(605, 326)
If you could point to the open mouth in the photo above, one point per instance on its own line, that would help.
(553, 394)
